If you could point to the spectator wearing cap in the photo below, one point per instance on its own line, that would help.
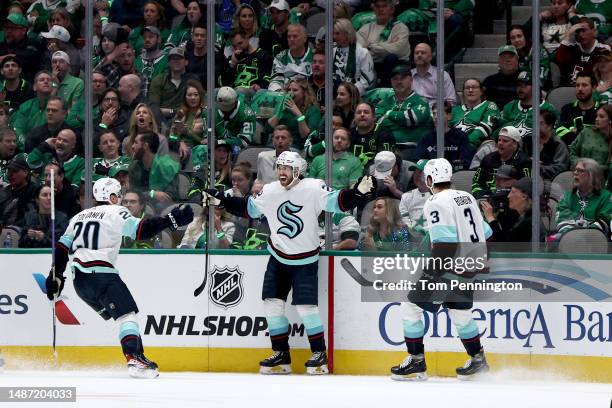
(18, 193)
(33, 112)
(153, 16)
(520, 201)
(296, 60)
(501, 87)
(425, 77)
(235, 120)
(594, 142)
(16, 42)
(266, 161)
(69, 88)
(476, 117)
(66, 196)
(62, 149)
(167, 89)
(554, 155)
(580, 50)
(588, 201)
(346, 168)
(127, 13)
(386, 39)
(56, 122)
(152, 173)
(274, 39)
(519, 112)
(14, 89)
(109, 145)
(412, 202)
(248, 68)
(367, 139)
(580, 113)
(404, 112)
(152, 61)
(508, 152)
(457, 148)
(352, 62)
(393, 174)
(8, 148)
(58, 39)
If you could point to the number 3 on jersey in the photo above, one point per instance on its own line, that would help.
(468, 213)
(86, 234)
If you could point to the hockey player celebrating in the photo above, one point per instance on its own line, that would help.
(292, 205)
(91, 245)
(455, 224)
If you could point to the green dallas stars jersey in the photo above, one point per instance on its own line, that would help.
(408, 120)
(478, 123)
(599, 11)
(237, 127)
(515, 114)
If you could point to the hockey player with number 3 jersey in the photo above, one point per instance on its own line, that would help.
(90, 247)
(456, 229)
(292, 206)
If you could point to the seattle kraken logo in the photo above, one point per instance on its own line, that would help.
(292, 224)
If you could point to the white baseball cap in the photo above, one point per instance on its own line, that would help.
(383, 164)
(58, 33)
(280, 5)
(60, 55)
(226, 98)
(511, 132)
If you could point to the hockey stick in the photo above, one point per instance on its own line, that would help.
(200, 288)
(354, 273)
(53, 257)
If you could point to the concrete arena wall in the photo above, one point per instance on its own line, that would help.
(224, 329)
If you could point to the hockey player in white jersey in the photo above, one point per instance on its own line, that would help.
(456, 229)
(292, 205)
(90, 247)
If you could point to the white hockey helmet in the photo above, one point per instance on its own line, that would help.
(104, 188)
(440, 171)
(294, 160)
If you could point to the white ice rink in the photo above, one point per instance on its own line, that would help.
(110, 389)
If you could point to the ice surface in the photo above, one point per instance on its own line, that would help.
(109, 389)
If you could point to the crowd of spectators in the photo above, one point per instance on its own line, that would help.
(150, 87)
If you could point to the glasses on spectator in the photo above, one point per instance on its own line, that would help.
(579, 171)
(111, 99)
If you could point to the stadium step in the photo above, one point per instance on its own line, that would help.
(489, 40)
(475, 70)
(522, 13)
(485, 55)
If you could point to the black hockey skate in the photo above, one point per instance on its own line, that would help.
(475, 366)
(277, 363)
(317, 363)
(141, 367)
(412, 368)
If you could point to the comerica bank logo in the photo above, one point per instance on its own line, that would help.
(226, 286)
(63, 313)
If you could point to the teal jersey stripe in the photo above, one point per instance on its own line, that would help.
(127, 329)
(67, 240)
(487, 230)
(304, 261)
(130, 227)
(443, 233)
(332, 202)
(277, 325)
(313, 324)
(252, 209)
(412, 329)
(468, 331)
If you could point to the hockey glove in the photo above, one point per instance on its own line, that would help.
(179, 216)
(54, 286)
(365, 185)
(212, 196)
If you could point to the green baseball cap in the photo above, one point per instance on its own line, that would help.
(418, 165)
(17, 19)
(118, 169)
(507, 48)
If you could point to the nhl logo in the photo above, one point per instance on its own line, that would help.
(226, 286)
